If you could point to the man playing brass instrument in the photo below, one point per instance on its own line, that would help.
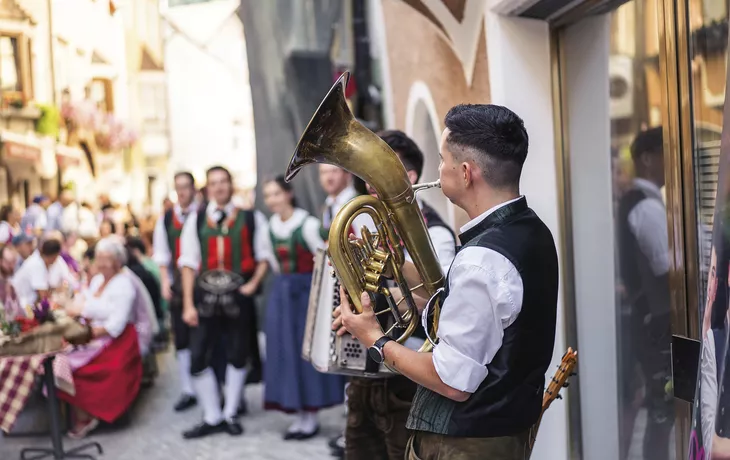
(480, 390)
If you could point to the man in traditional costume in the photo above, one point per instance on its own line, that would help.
(228, 247)
(480, 390)
(378, 407)
(166, 251)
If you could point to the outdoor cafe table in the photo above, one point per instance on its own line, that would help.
(17, 375)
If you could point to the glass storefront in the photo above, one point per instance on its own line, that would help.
(642, 96)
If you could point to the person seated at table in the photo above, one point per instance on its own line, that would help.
(107, 372)
(8, 298)
(43, 272)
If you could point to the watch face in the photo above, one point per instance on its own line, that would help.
(375, 354)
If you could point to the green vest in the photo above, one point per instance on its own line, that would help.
(236, 235)
(292, 253)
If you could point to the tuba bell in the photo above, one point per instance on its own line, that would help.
(335, 137)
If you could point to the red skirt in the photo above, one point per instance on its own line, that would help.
(107, 386)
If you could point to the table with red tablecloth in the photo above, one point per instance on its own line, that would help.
(17, 376)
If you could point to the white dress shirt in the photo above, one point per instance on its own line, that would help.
(485, 297)
(284, 229)
(443, 243)
(648, 223)
(160, 244)
(34, 276)
(112, 308)
(190, 243)
(334, 204)
(6, 232)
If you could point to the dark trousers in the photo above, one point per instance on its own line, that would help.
(377, 410)
(179, 328)
(234, 332)
(431, 446)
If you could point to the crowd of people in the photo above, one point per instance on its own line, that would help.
(202, 263)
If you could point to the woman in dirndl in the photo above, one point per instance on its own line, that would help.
(292, 385)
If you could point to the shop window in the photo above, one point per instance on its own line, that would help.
(101, 93)
(613, 86)
(152, 102)
(15, 69)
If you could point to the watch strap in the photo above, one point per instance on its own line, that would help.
(380, 343)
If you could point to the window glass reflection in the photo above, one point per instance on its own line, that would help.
(646, 406)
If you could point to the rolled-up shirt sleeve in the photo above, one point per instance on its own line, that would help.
(261, 241)
(189, 244)
(160, 245)
(485, 297)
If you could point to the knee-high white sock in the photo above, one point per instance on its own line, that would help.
(235, 378)
(308, 422)
(206, 389)
(183, 367)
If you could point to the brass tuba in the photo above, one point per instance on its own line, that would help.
(335, 137)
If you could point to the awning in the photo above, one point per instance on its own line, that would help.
(21, 147)
(68, 156)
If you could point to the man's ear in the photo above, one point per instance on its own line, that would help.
(412, 176)
(466, 170)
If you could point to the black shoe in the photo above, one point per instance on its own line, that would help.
(203, 429)
(233, 427)
(242, 408)
(302, 436)
(289, 435)
(185, 402)
(336, 442)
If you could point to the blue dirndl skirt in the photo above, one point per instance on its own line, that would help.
(291, 383)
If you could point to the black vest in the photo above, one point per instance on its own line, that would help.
(509, 400)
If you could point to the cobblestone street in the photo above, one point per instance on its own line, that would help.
(154, 431)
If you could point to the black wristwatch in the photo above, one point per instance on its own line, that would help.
(376, 351)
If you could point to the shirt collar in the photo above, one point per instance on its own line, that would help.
(343, 197)
(648, 187)
(213, 208)
(179, 211)
(472, 223)
(492, 218)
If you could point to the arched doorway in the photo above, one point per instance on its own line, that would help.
(423, 126)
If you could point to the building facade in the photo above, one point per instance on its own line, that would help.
(211, 117)
(146, 163)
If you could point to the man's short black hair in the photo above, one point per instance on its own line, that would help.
(134, 242)
(493, 137)
(649, 141)
(221, 169)
(186, 174)
(51, 247)
(406, 148)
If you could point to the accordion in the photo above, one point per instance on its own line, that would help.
(322, 347)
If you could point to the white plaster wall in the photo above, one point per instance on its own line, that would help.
(87, 26)
(424, 126)
(520, 79)
(208, 91)
(587, 70)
